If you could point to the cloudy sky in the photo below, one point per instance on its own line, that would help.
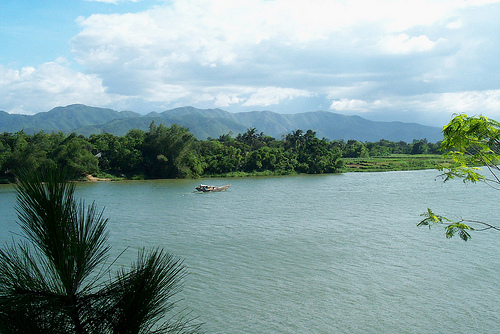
(405, 60)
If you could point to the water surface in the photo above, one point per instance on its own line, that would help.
(313, 254)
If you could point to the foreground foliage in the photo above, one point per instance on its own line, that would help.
(57, 280)
(173, 152)
(469, 142)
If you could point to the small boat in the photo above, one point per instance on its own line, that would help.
(204, 188)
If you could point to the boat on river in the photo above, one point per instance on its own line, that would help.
(205, 188)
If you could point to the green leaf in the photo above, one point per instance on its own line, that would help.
(459, 228)
(431, 219)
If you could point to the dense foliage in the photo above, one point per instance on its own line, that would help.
(173, 152)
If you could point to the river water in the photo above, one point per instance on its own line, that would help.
(312, 254)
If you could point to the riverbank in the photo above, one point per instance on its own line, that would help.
(91, 178)
(394, 162)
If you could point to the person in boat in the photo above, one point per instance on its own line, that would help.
(204, 187)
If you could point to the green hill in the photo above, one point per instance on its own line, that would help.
(204, 123)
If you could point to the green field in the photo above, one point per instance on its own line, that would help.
(394, 162)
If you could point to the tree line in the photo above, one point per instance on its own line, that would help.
(174, 152)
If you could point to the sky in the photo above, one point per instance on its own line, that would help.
(386, 60)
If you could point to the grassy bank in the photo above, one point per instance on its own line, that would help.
(393, 162)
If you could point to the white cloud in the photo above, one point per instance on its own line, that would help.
(51, 84)
(267, 96)
(404, 44)
(225, 100)
(165, 92)
(455, 24)
(356, 90)
(350, 105)
(212, 31)
(179, 41)
(433, 108)
(225, 96)
(359, 55)
(471, 102)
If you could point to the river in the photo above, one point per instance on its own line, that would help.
(312, 254)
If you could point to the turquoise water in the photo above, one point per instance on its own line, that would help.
(313, 254)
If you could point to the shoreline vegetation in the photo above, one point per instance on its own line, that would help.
(395, 162)
(389, 163)
(375, 164)
(173, 152)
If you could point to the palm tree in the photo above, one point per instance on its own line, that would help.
(57, 280)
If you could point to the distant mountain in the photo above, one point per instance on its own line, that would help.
(204, 123)
(66, 119)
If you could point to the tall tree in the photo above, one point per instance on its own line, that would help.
(295, 139)
(74, 153)
(56, 281)
(169, 152)
(316, 156)
(470, 142)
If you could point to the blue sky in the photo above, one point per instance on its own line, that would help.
(391, 60)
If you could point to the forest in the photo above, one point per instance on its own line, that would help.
(173, 151)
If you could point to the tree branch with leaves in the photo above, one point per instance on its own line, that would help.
(473, 145)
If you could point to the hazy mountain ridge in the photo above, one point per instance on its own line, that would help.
(204, 123)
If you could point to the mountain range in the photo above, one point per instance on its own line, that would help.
(205, 123)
